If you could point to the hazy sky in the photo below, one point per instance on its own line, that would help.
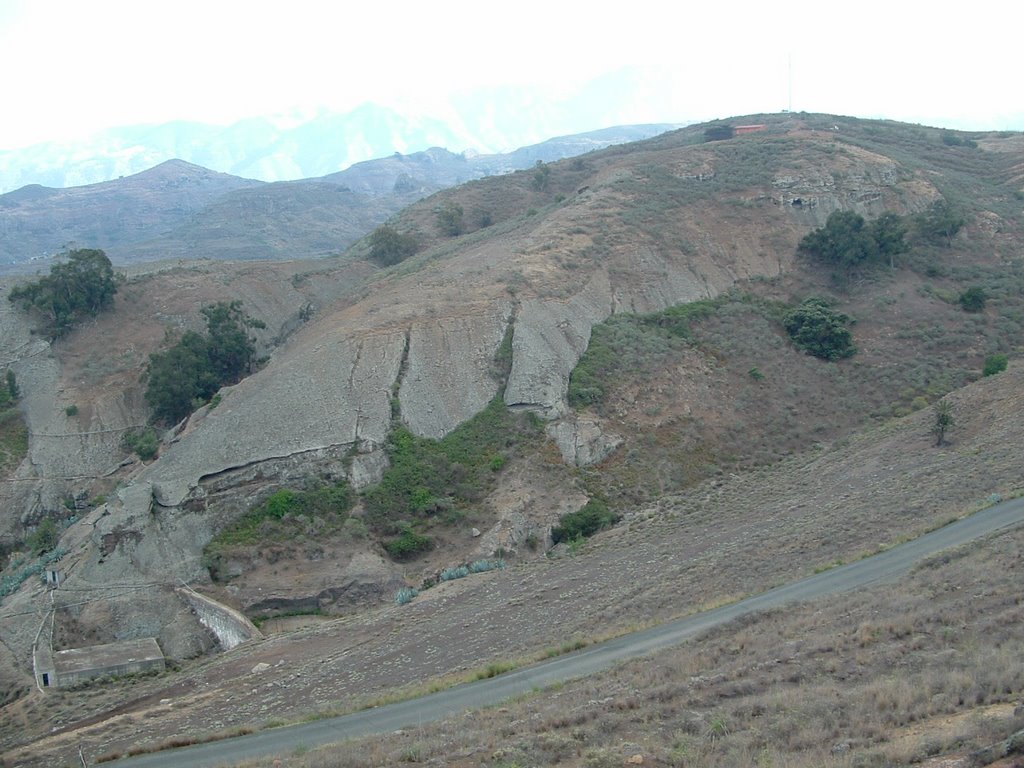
(72, 67)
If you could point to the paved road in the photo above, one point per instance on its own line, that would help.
(436, 706)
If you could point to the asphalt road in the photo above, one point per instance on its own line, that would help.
(481, 693)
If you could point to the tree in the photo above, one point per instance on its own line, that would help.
(388, 246)
(943, 422)
(191, 371)
(843, 242)
(541, 174)
(719, 132)
(819, 330)
(939, 223)
(81, 287)
(888, 232)
(230, 350)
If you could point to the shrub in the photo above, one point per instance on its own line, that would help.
(388, 246)
(44, 538)
(143, 442)
(819, 330)
(973, 299)
(71, 410)
(586, 521)
(324, 503)
(452, 474)
(449, 219)
(408, 545)
(994, 364)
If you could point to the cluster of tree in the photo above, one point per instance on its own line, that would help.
(848, 242)
(820, 330)
(719, 132)
(388, 246)
(188, 374)
(80, 287)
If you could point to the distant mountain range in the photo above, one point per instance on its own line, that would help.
(178, 209)
(300, 146)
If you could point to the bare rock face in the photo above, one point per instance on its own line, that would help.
(449, 368)
(550, 336)
(581, 440)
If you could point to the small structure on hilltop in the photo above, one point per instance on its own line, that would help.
(77, 665)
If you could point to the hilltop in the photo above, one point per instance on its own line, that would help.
(721, 438)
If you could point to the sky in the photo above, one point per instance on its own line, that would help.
(72, 68)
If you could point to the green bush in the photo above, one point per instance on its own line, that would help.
(586, 521)
(142, 442)
(449, 219)
(44, 538)
(819, 330)
(388, 246)
(973, 299)
(994, 364)
(407, 545)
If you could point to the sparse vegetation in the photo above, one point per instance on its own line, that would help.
(285, 515)
(80, 287)
(443, 479)
(629, 343)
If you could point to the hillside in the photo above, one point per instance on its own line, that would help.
(36, 221)
(709, 418)
(177, 210)
(720, 540)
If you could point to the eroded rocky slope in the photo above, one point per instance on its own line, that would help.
(637, 230)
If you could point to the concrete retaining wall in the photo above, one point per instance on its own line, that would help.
(230, 626)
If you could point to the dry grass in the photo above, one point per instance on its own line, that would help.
(887, 676)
